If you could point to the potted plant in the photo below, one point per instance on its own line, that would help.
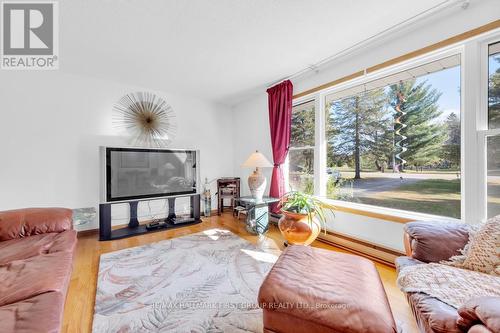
(303, 217)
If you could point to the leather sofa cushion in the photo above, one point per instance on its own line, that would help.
(481, 310)
(41, 313)
(22, 279)
(64, 241)
(24, 248)
(426, 240)
(432, 315)
(36, 254)
(34, 221)
(480, 329)
(341, 292)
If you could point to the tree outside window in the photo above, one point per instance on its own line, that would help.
(397, 145)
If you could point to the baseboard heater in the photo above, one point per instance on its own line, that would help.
(361, 247)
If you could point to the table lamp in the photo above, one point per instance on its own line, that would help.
(256, 181)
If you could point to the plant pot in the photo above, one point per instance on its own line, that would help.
(297, 229)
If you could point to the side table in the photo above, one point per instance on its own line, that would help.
(257, 220)
(227, 189)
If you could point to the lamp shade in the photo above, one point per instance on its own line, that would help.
(257, 160)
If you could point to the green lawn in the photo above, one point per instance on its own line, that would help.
(430, 196)
(433, 186)
(493, 198)
(350, 171)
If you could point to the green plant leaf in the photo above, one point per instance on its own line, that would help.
(302, 203)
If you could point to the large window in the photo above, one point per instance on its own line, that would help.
(395, 142)
(415, 136)
(494, 86)
(493, 162)
(301, 153)
(493, 142)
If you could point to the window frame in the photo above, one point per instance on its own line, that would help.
(484, 132)
(296, 103)
(473, 122)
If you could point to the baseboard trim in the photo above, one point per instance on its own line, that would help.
(89, 232)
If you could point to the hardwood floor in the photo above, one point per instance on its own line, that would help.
(79, 307)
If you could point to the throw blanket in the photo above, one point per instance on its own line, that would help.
(451, 285)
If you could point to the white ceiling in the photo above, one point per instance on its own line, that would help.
(218, 49)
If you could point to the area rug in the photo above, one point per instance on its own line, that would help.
(205, 282)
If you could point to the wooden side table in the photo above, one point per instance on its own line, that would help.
(227, 189)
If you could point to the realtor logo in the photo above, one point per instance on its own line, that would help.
(29, 35)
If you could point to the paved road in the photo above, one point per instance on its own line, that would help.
(373, 182)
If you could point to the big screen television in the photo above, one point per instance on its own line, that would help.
(141, 173)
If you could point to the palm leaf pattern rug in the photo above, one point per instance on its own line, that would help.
(204, 282)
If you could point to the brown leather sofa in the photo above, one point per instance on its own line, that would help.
(36, 257)
(427, 242)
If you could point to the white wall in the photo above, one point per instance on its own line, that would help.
(251, 132)
(251, 119)
(51, 125)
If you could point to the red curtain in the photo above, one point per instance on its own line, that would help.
(280, 122)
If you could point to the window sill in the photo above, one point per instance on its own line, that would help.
(387, 214)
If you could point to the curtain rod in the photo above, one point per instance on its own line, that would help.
(424, 14)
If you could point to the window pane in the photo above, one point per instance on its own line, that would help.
(494, 86)
(395, 142)
(302, 125)
(301, 170)
(493, 144)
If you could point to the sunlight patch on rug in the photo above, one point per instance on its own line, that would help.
(204, 282)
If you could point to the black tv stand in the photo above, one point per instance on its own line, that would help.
(134, 228)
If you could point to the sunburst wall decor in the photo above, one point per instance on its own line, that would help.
(147, 117)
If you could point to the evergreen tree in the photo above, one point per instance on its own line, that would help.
(332, 158)
(302, 135)
(383, 145)
(425, 136)
(379, 130)
(451, 148)
(453, 127)
(302, 132)
(357, 119)
(494, 96)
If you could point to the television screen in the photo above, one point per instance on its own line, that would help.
(141, 173)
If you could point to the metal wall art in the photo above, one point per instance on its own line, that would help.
(147, 117)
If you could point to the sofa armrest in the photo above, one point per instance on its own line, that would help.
(26, 222)
(434, 241)
(402, 262)
(480, 311)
